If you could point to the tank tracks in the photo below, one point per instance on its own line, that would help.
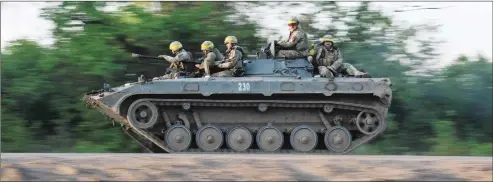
(325, 106)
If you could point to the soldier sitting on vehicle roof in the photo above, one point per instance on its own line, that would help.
(297, 44)
(181, 64)
(232, 64)
(328, 59)
(212, 57)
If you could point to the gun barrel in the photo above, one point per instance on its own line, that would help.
(149, 57)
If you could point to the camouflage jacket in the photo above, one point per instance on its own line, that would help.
(297, 41)
(324, 57)
(182, 56)
(177, 61)
(242, 51)
(233, 59)
(210, 58)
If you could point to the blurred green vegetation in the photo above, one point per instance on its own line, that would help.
(434, 112)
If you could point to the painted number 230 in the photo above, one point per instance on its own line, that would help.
(243, 86)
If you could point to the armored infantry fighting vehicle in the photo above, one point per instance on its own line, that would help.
(278, 105)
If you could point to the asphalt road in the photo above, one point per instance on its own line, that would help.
(251, 167)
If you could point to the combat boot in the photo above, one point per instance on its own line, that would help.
(361, 74)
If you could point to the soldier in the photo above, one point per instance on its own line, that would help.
(211, 56)
(297, 44)
(236, 46)
(182, 62)
(232, 64)
(328, 59)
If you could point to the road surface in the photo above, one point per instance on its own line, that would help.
(220, 167)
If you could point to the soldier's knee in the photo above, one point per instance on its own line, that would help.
(215, 75)
(327, 74)
(220, 74)
(323, 71)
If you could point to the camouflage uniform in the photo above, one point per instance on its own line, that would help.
(297, 44)
(233, 61)
(242, 51)
(329, 62)
(177, 62)
(181, 57)
(212, 55)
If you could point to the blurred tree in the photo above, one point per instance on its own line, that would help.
(42, 86)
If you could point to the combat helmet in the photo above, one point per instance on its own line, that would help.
(231, 39)
(207, 45)
(293, 20)
(326, 38)
(175, 45)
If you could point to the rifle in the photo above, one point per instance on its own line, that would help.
(144, 56)
(172, 65)
(154, 57)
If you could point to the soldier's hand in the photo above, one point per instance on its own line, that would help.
(198, 66)
(310, 58)
(135, 55)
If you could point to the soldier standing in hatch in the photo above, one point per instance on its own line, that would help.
(233, 59)
(297, 44)
(211, 55)
(328, 58)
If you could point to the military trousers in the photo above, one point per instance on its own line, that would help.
(349, 68)
(225, 73)
(290, 54)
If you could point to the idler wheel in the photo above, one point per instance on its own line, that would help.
(338, 139)
(269, 139)
(239, 139)
(303, 139)
(367, 123)
(178, 138)
(209, 138)
(142, 114)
